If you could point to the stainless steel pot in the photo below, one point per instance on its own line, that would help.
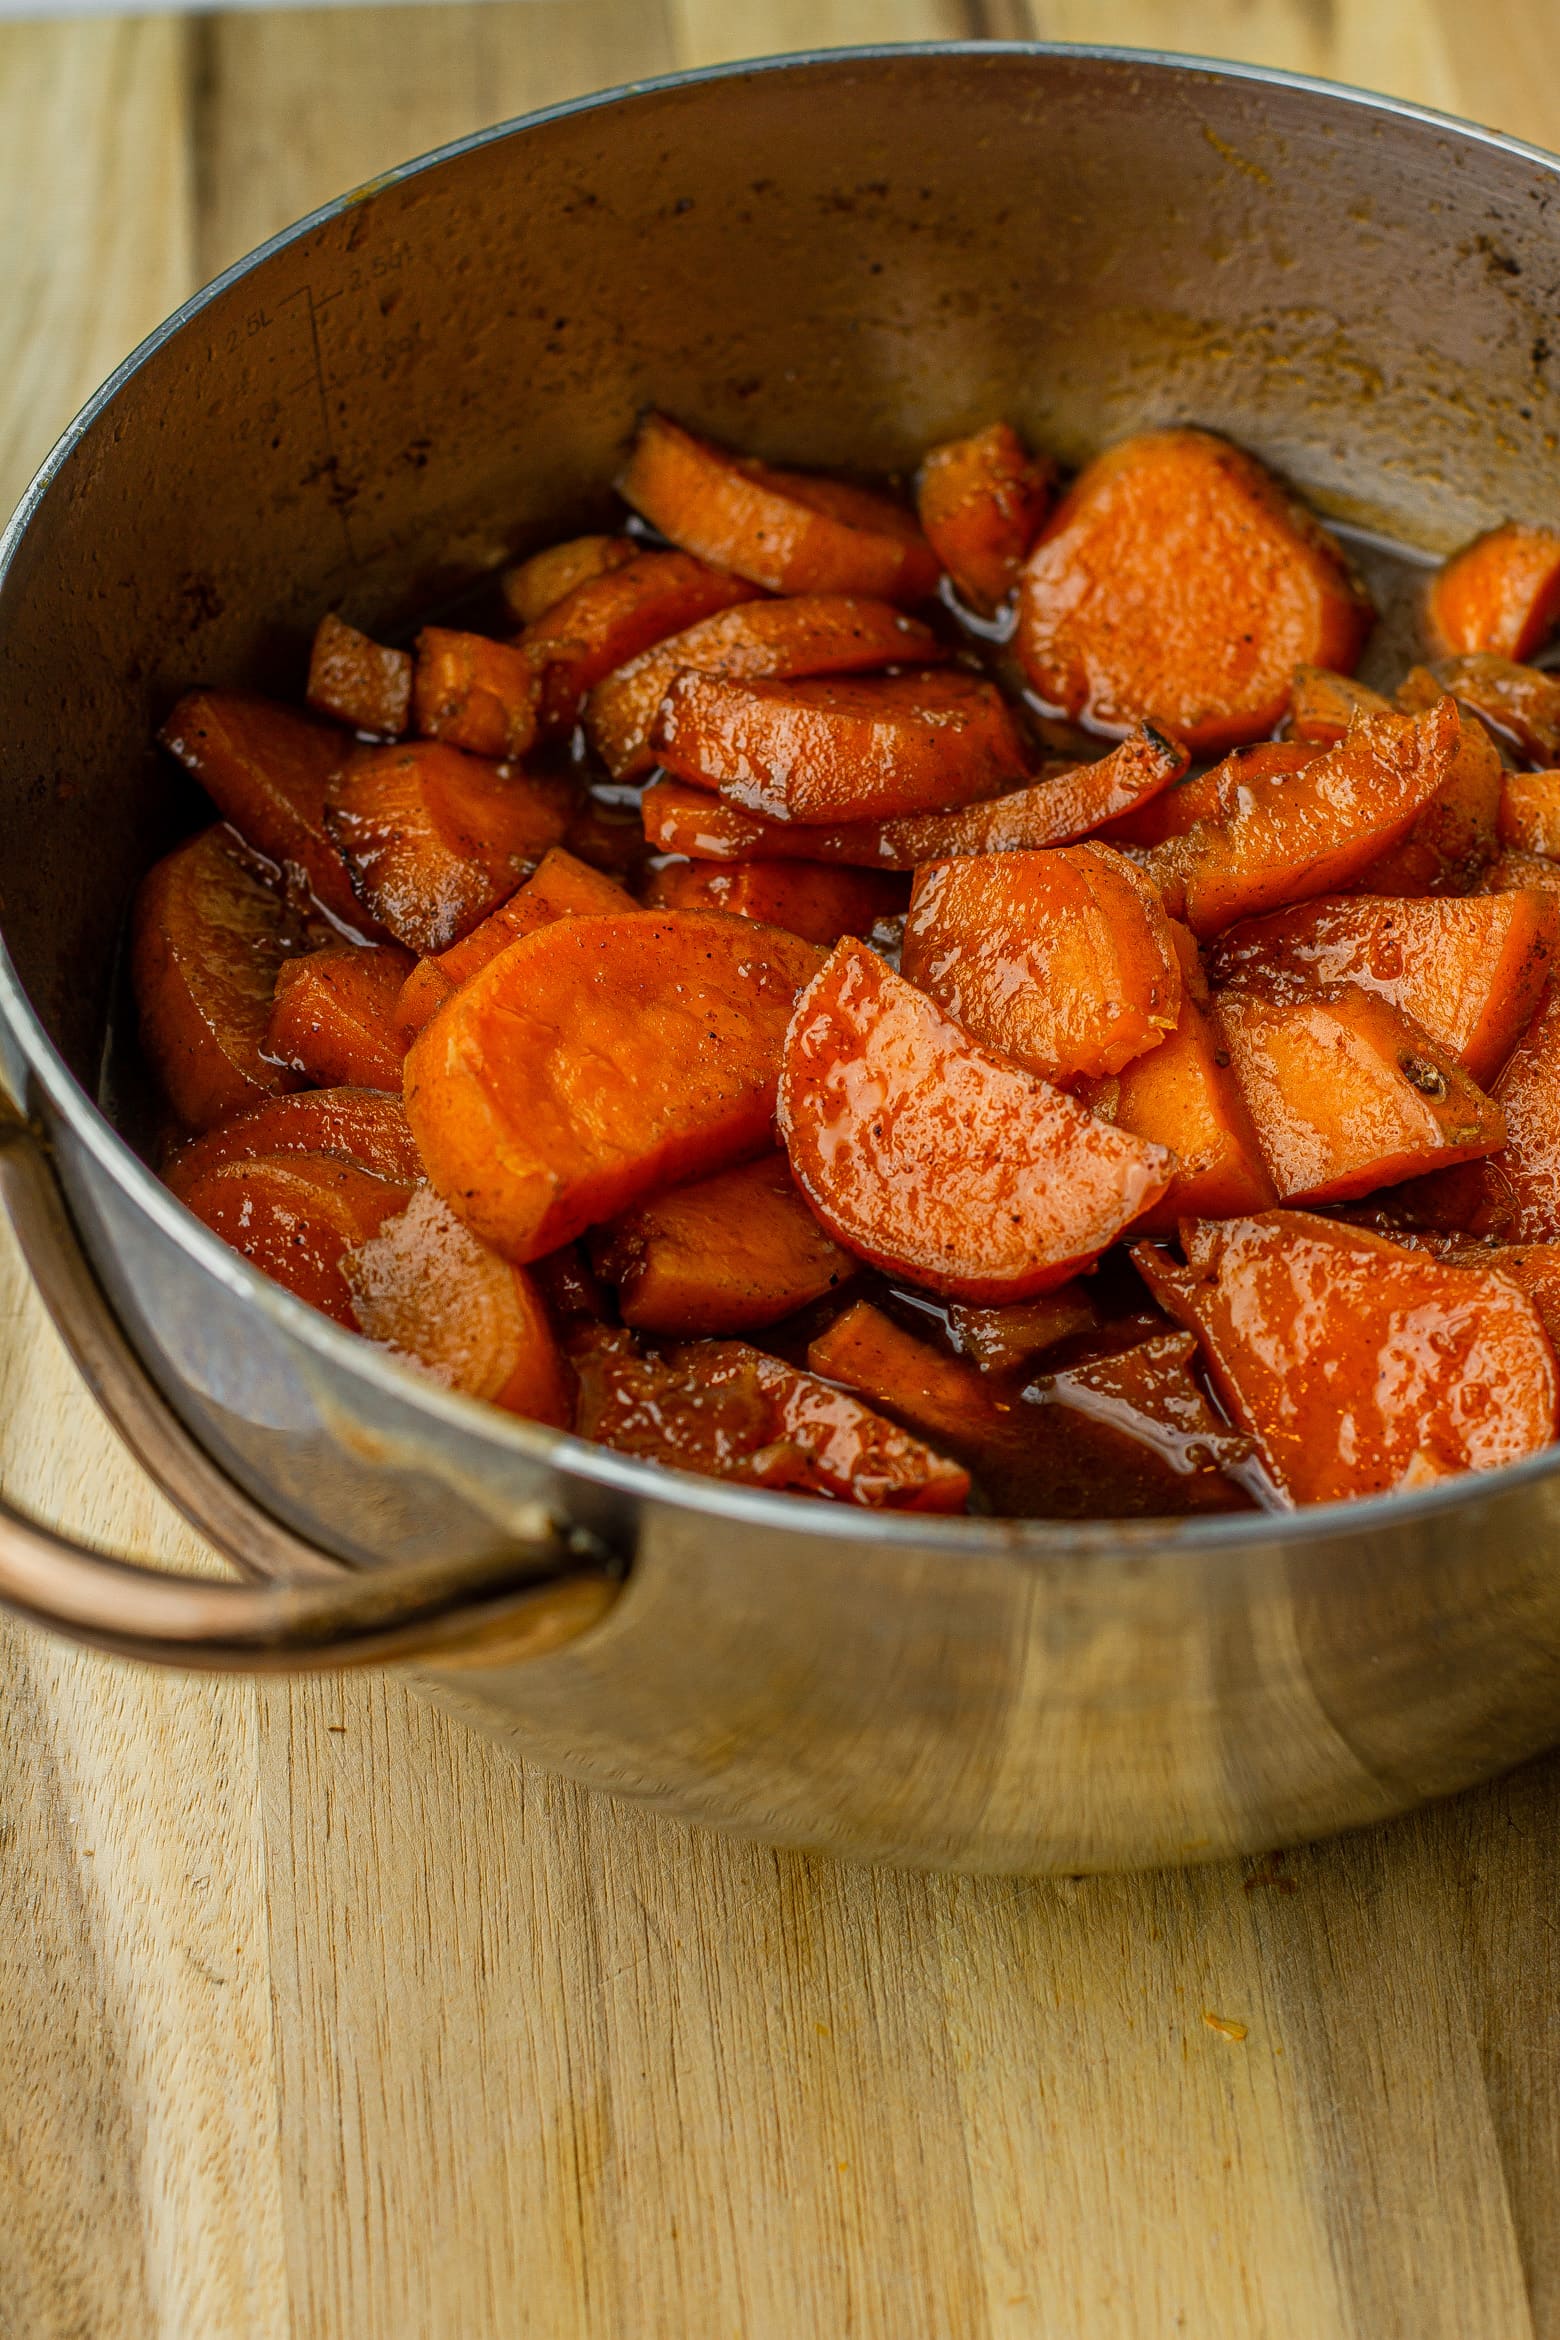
(834, 260)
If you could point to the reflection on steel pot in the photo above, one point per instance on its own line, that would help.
(831, 261)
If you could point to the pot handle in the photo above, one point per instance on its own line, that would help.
(542, 1590)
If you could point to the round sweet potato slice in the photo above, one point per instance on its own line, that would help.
(1501, 593)
(982, 502)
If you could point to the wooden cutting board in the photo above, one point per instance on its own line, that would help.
(320, 2019)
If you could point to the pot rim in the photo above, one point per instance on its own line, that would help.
(340, 1350)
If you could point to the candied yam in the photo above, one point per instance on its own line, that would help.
(209, 937)
(826, 751)
(1518, 1192)
(269, 772)
(1322, 705)
(1348, 1094)
(333, 1016)
(614, 616)
(1283, 840)
(356, 1125)
(981, 502)
(1179, 579)
(1184, 1095)
(1359, 1368)
(434, 840)
(1453, 836)
(358, 681)
(1000, 1340)
(1062, 961)
(816, 902)
(789, 530)
(474, 693)
(1530, 813)
(1513, 872)
(812, 634)
(1175, 812)
(531, 588)
(598, 1060)
(559, 887)
(1520, 704)
(728, 1411)
(1501, 593)
(1067, 805)
(294, 1216)
(938, 1161)
(724, 1255)
(1473, 971)
(424, 1287)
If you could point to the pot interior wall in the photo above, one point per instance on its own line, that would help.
(833, 263)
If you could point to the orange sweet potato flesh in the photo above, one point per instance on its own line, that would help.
(727, 1254)
(1284, 840)
(832, 750)
(357, 681)
(615, 616)
(1530, 813)
(727, 1411)
(1472, 972)
(434, 840)
(1358, 1367)
(1322, 705)
(1000, 1340)
(810, 634)
(474, 693)
(1517, 1193)
(269, 772)
(1055, 811)
(1062, 961)
(1513, 872)
(937, 1161)
(428, 1290)
(787, 530)
(208, 939)
(293, 1216)
(1455, 836)
(1348, 1094)
(363, 1126)
(807, 899)
(981, 502)
(598, 1060)
(1501, 593)
(1518, 702)
(559, 887)
(1184, 1095)
(531, 588)
(1175, 812)
(333, 1017)
(1178, 579)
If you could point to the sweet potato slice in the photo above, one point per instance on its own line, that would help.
(1322, 705)
(1455, 835)
(938, 1161)
(1518, 1192)
(1501, 593)
(818, 903)
(788, 530)
(1055, 811)
(428, 1290)
(812, 634)
(1062, 961)
(333, 1016)
(1175, 812)
(598, 1060)
(1123, 1436)
(1000, 1340)
(358, 681)
(1285, 840)
(1359, 1368)
(1512, 873)
(1348, 1094)
(1178, 579)
(269, 771)
(434, 840)
(1473, 972)
(1530, 813)
(613, 617)
(1520, 703)
(827, 751)
(729, 1412)
(363, 1126)
(724, 1255)
(982, 501)
(531, 588)
(474, 693)
(558, 887)
(208, 940)
(293, 1216)
(1184, 1095)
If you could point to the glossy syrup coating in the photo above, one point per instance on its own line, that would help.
(364, 1126)
(294, 1217)
(614, 615)
(560, 886)
(938, 1161)
(1444, 1369)
(818, 903)
(1521, 703)
(333, 1016)
(474, 693)
(1499, 594)
(1456, 832)
(982, 502)
(727, 1254)
(358, 681)
(1175, 812)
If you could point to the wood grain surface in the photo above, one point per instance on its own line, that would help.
(319, 2019)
